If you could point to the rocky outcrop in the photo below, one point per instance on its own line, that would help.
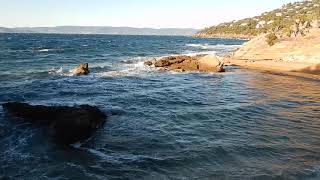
(290, 54)
(204, 63)
(82, 69)
(66, 124)
(315, 24)
(223, 36)
(305, 47)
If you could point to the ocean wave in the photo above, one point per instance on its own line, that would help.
(129, 67)
(192, 53)
(198, 45)
(134, 69)
(54, 50)
(61, 72)
(216, 47)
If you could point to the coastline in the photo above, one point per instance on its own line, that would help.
(299, 56)
(224, 36)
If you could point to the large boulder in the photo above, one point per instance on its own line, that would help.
(82, 69)
(66, 124)
(211, 63)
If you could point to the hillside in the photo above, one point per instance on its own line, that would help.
(280, 20)
(289, 55)
(102, 30)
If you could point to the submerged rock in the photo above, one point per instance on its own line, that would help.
(204, 63)
(82, 69)
(67, 124)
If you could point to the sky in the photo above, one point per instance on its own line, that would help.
(132, 13)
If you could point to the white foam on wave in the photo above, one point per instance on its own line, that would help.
(61, 72)
(218, 49)
(203, 46)
(223, 46)
(192, 53)
(130, 67)
(213, 47)
(56, 70)
(43, 50)
(137, 69)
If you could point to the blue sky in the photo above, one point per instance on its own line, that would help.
(134, 13)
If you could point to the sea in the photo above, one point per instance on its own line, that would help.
(242, 124)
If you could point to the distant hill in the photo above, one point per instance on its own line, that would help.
(280, 20)
(5, 30)
(102, 30)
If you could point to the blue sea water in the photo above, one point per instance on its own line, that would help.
(241, 124)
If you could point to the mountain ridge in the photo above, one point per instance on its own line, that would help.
(102, 30)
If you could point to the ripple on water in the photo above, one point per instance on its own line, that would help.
(237, 125)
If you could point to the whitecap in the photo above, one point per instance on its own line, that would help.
(202, 46)
(136, 67)
(214, 47)
(192, 53)
(56, 70)
(43, 50)
(60, 71)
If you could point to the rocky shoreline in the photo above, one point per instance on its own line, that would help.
(224, 36)
(298, 55)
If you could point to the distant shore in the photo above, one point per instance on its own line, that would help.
(103, 30)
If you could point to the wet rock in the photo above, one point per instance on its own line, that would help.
(148, 63)
(66, 124)
(82, 69)
(204, 63)
(168, 61)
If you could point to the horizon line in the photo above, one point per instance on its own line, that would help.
(101, 26)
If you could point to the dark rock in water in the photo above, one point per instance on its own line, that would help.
(82, 69)
(67, 124)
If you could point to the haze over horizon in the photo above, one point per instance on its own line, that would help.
(141, 13)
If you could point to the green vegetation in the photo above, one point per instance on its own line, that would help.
(280, 21)
(271, 39)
